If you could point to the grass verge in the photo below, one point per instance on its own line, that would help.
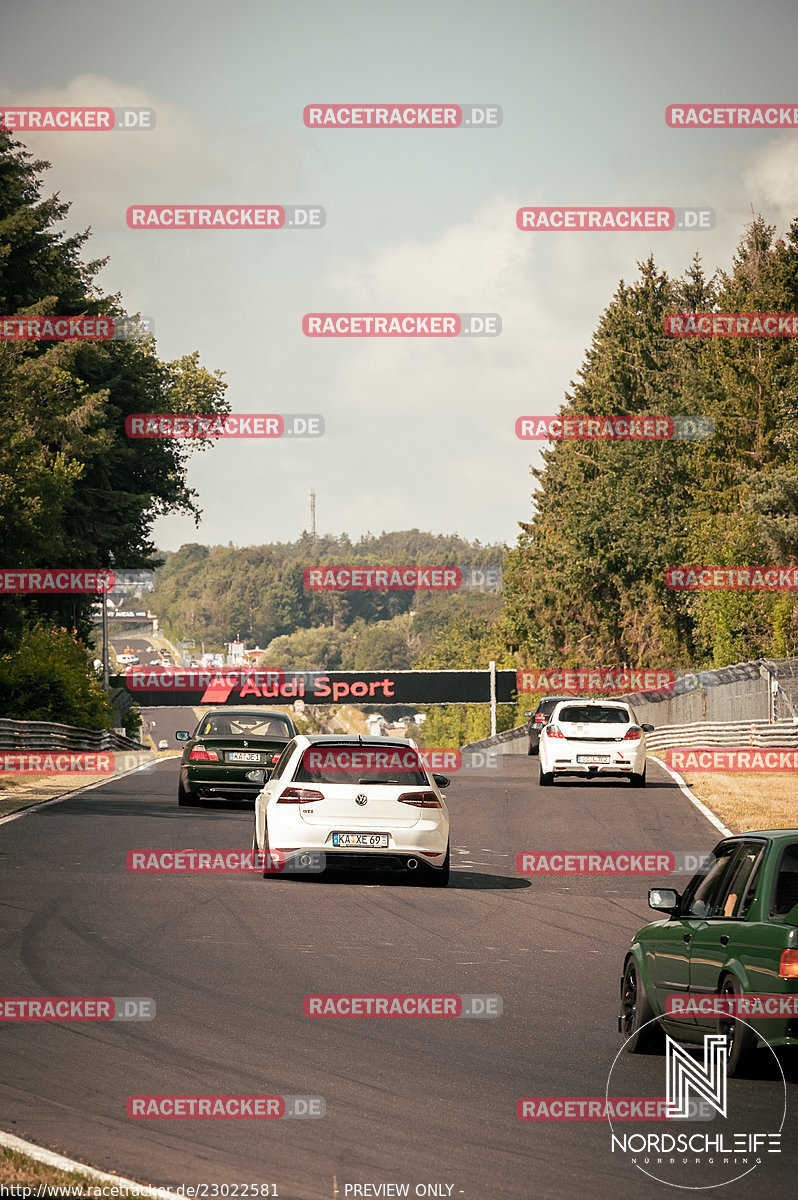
(20, 1171)
(748, 800)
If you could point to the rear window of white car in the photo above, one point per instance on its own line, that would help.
(594, 715)
(354, 763)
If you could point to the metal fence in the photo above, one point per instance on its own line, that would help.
(761, 690)
(716, 706)
(46, 735)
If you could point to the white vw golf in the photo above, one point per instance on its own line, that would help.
(593, 737)
(363, 802)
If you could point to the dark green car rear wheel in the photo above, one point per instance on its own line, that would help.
(740, 1038)
(636, 1012)
(184, 798)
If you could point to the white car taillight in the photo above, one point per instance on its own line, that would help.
(420, 799)
(632, 734)
(298, 795)
(553, 731)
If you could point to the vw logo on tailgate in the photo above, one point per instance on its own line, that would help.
(361, 798)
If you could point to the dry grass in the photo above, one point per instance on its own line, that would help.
(748, 800)
(22, 791)
(19, 1169)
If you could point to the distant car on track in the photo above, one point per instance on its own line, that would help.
(732, 933)
(593, 737)
(231, 753)
(366, 802)
(540, 716)
(163, 744)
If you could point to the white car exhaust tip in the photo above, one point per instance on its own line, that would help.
(412, 863)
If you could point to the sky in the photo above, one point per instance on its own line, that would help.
(419, 433)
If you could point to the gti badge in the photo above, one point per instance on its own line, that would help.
(361, 798)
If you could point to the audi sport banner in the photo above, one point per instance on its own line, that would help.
(249, 686)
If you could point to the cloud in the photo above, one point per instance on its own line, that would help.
(184, 159)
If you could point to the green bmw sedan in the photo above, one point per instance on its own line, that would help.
(231, 753)
(724, 956)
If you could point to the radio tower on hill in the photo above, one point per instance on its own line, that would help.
(313, 513)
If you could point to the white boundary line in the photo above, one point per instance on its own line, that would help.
(10, 1142)
(702, 808)
(23, 812)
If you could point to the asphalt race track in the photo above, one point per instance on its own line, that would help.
(228, 960)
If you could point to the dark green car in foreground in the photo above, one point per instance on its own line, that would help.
(733, 933)
(231, 753)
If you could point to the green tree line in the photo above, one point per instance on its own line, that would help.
(259, 594)
(586, 582)
(75, 491)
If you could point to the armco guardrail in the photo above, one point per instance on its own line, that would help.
(511, 741)
(730, 733)
(699, 733)
(45, 735)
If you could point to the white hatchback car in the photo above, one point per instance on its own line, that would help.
(593, 737)
(365, 802)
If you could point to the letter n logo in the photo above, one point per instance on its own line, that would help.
(684, 1074)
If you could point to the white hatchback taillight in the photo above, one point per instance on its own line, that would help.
(420, 799)
(633, 733)
(298, 795)
(554, 731)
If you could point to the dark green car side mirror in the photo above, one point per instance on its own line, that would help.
(663, 899)
(183, 735)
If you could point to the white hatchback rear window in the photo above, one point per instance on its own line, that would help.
(593, 715)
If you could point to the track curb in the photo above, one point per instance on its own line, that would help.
(10, 1141)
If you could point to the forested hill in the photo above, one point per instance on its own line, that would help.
(258, 592)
